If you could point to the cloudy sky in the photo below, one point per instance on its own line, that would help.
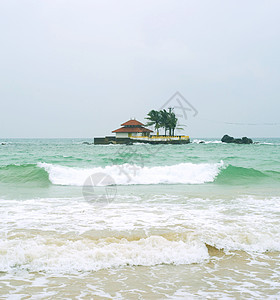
(81, 68)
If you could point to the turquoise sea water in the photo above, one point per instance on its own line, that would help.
(158, 221)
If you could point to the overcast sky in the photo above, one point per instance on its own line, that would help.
(81, 68)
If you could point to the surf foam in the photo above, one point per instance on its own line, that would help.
(66, 256)
(184, 173)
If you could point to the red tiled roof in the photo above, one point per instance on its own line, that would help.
(132, 122)
(132, 129)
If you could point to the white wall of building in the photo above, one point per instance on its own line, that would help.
(121, 135)
(136, 134)
(126, 135)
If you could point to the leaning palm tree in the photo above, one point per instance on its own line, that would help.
(154, 120)
(173, 120)
(168, 121)
(164, 120)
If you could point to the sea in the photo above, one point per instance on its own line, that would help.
(194, 221)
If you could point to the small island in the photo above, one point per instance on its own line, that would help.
(134, 131)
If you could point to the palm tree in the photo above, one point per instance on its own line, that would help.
(164, 120)
(168, 121)
(154, 119)
(173, 120)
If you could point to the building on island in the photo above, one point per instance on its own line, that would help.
(132, 128)
(134, 131)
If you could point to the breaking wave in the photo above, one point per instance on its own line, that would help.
(26, 173)
(184, 173)
(51, 255)
(128, 174)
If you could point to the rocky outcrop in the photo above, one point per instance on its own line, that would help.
(229, 139)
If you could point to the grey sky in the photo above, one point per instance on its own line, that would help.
(81, 68)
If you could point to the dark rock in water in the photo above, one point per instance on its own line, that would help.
(201, 142)
(3, 143)
(229, 139)
(238, 141)
(246, 140)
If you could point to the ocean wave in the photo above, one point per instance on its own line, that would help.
(240, 175)
(196, 141)
(199, 141)
(69, 235)
(233, 174)
(66, 256)
(48, 251)
(127, 174)
(26, 173)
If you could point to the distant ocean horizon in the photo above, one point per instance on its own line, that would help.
(139, 221)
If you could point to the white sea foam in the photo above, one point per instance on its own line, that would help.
(70, 235)
(64, 256)
(184, 173)
(266, 143)
(196, 141)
